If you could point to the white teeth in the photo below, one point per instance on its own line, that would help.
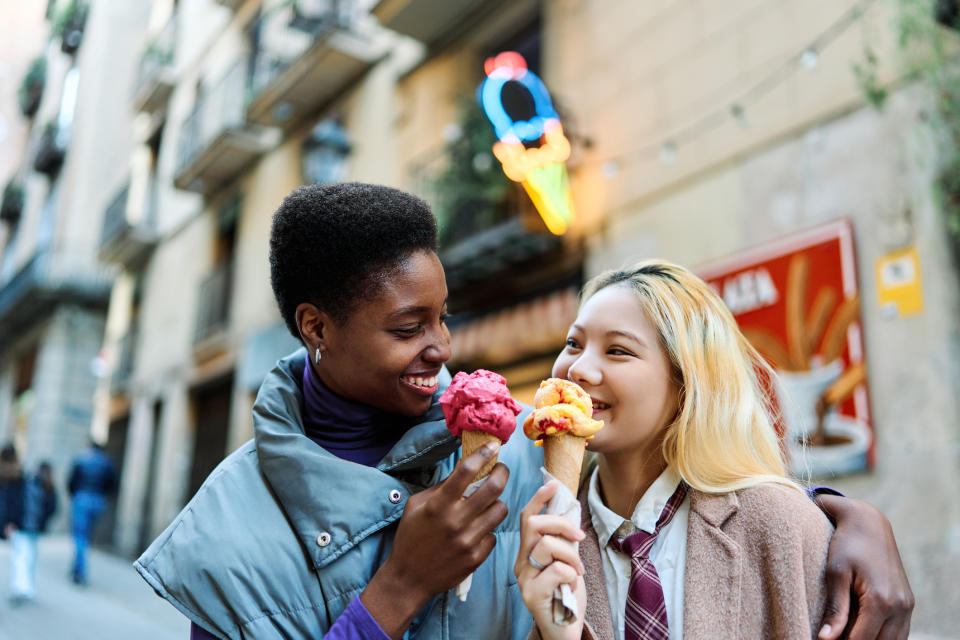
(421, 382)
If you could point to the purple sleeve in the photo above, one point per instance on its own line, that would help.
(198, 633)
(813, 492)
(355, 623)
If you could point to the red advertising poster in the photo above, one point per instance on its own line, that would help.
(797, 300)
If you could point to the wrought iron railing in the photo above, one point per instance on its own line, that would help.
(158, 55)
(286, 34)
(115, 216)
(214, 302)
(123, 370)
(217, 109)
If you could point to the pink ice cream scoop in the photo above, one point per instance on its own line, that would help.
(480, 401)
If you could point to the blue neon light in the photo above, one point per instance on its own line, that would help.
(491, 99)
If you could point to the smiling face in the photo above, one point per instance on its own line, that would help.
(389, 350)
(614, 353)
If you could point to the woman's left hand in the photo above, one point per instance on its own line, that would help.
(864, 564)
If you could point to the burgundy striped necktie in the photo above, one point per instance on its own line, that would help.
(645, 617)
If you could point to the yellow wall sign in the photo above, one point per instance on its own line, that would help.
(899, 285)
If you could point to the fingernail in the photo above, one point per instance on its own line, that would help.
(824, 630)
(490, 448)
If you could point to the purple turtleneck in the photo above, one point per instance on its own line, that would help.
(350, 430)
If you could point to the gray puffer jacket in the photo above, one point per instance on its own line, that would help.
(283, 535)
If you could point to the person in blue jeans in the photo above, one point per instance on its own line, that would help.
(39, 504)
(92, 479)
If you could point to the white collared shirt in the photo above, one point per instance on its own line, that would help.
(668, 553)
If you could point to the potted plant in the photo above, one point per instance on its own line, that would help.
(68, 25)
(50, 152)
(31, 89)
(12, 203)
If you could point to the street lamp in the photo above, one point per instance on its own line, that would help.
(324, 153)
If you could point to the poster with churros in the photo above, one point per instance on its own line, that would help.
(797, 300)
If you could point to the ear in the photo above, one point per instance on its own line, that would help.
(313, 324)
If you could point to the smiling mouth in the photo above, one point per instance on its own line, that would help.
(425, 385)
(599, 406)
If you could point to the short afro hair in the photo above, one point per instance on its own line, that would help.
(332, 245)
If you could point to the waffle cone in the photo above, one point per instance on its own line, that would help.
(472, 441)
(563, 457)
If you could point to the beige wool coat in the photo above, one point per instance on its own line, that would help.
(754, 568)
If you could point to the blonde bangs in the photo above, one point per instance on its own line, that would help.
(723, 438)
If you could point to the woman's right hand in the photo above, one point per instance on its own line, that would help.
(547, 541)
(441, 538)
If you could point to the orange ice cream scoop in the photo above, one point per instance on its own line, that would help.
(562, 422)
(561, 406)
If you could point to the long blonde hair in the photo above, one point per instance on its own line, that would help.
(722, 438)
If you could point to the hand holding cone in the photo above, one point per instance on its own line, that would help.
(478, 408)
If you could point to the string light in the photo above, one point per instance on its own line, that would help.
(808, 58)
(668, 152)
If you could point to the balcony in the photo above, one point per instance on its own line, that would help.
(50, 151)
(213, 303)
(128, 239)
(426, 20)
(39, 286)
(304, 61)
(12, 205)
(216, 143)
(155, 76)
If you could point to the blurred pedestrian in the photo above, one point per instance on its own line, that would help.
(92, 479)
(39, 504)
(11, 492)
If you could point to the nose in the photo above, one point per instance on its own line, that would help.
(438, 350)
(584, 370)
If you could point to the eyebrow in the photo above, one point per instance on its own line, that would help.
(627, 334)
(619, 332)
(411, 310)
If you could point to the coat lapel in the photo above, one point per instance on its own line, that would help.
(598, 604)
(711, 601)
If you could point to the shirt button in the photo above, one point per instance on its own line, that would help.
(396, 496)
(323, 539)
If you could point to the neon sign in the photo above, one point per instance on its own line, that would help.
(540, 169)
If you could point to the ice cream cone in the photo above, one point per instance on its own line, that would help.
(563, 457)
(549, 189)
(472, 441)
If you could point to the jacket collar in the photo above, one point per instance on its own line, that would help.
(597, 617)
(715, 575)
(714, 508)
(333, 504)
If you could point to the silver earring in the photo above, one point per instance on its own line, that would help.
(317, 356)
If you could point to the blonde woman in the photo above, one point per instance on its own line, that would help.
(691, 527)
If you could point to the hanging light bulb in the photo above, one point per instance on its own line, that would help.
(668, 152)
(740, 115)
(809, 58)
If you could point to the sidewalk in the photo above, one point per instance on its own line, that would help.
(117, 604)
